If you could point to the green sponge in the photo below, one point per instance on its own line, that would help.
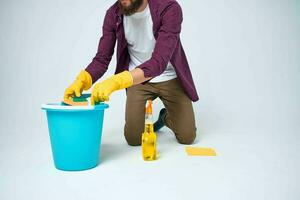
(77, 101)
(82, 98)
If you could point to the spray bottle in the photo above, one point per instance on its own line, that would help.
(149, 136)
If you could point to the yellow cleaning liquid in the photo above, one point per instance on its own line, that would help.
(149, 136)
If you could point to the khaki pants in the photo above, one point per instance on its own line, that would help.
(180, 115)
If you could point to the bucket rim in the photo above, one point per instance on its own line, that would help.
(58, 106)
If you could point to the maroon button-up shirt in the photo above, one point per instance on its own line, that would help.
(167, 18)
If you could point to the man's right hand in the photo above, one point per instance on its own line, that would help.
(83, 82)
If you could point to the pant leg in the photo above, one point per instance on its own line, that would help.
(137, 97)
(180, 114)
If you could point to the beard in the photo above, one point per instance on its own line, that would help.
(132, 8)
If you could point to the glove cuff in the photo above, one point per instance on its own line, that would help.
(86, 79)
(124, 79)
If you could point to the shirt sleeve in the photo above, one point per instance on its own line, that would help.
(106, 46)
(167, 39)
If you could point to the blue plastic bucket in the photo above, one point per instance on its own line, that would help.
(75, 135)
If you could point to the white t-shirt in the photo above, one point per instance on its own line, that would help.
(141, 42)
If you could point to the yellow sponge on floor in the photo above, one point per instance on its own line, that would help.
(200, 151)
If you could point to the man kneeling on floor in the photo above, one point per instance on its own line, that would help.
(151, 63)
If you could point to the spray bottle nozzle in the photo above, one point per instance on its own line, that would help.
(149, 107)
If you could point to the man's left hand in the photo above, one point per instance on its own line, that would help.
(102, 90)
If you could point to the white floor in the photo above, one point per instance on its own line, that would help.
(248, 166)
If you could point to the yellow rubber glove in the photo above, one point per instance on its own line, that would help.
(102, 90)
(83, 82)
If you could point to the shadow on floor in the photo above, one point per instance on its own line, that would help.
(112, 151)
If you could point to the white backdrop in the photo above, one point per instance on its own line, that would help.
(244, 56)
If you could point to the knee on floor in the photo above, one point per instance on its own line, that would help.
(133, 141)
(186, 138)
